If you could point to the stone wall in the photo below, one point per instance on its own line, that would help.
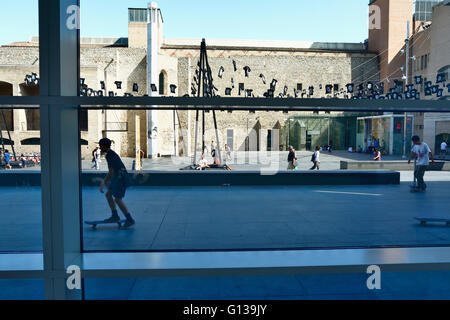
(128, 65)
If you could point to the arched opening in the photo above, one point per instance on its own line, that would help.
(31, 142)
(6, 89)
(32, 116)
(162, 83)
(445, 70)
(6, 142)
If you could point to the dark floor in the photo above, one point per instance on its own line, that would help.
(422, 285)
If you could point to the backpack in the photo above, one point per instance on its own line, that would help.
(313, 157)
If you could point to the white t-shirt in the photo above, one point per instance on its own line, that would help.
(443, 146)
(317, 156)
(422, 150)
(202, 162)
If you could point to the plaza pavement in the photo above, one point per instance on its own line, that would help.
(186, 218)
(423, 285)
(235, 217)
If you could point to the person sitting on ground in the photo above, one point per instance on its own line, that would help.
(202, 163)
(350, 149)
(377, 154)
(360, 150)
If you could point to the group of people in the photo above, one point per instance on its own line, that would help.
(203, 164)
(24, 159)
(315, 158)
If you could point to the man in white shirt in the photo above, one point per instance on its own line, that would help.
(202, 164)
(443, 148)
(422, 152)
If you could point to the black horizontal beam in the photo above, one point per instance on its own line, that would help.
(220, 103)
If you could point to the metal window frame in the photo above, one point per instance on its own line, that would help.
(62, 243)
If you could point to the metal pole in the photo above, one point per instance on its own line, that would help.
(174, 135)
(9, 136)
(1, 137)
(328, 130)
(406, 82)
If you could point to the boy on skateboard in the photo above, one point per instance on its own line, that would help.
(422, 152)
(117, 181)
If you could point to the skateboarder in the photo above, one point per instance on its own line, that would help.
(117, 181)
(422, 152)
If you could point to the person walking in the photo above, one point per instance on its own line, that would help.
(443, 148)
(96, 155)
(291, 159)
(117, 180)
(422, 152)
(316, 159)
(7, 158)
(377, 155)
(228, 151)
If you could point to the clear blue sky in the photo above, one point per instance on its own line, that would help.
(298, 20)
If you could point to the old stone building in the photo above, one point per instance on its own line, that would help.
(147, 58)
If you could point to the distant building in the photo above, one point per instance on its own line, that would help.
(429, 54)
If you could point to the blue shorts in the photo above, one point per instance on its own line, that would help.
(119, 185)
(117, 190)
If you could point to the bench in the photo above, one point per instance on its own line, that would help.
(390, 165)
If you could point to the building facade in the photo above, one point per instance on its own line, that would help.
(147, 58)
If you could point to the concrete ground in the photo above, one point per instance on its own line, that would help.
(235, 217)
(423, 285)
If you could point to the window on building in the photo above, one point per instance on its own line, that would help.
(162, 82)
(230, 138)
(137, 15)
(446, 71)
(423, 9)
(84, 120)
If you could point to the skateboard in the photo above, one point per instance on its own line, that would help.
(424, 220)
(98, 222)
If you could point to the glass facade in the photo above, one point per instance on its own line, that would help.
(423, 10)
(385, 133)
(137, 15)
(307, 132)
